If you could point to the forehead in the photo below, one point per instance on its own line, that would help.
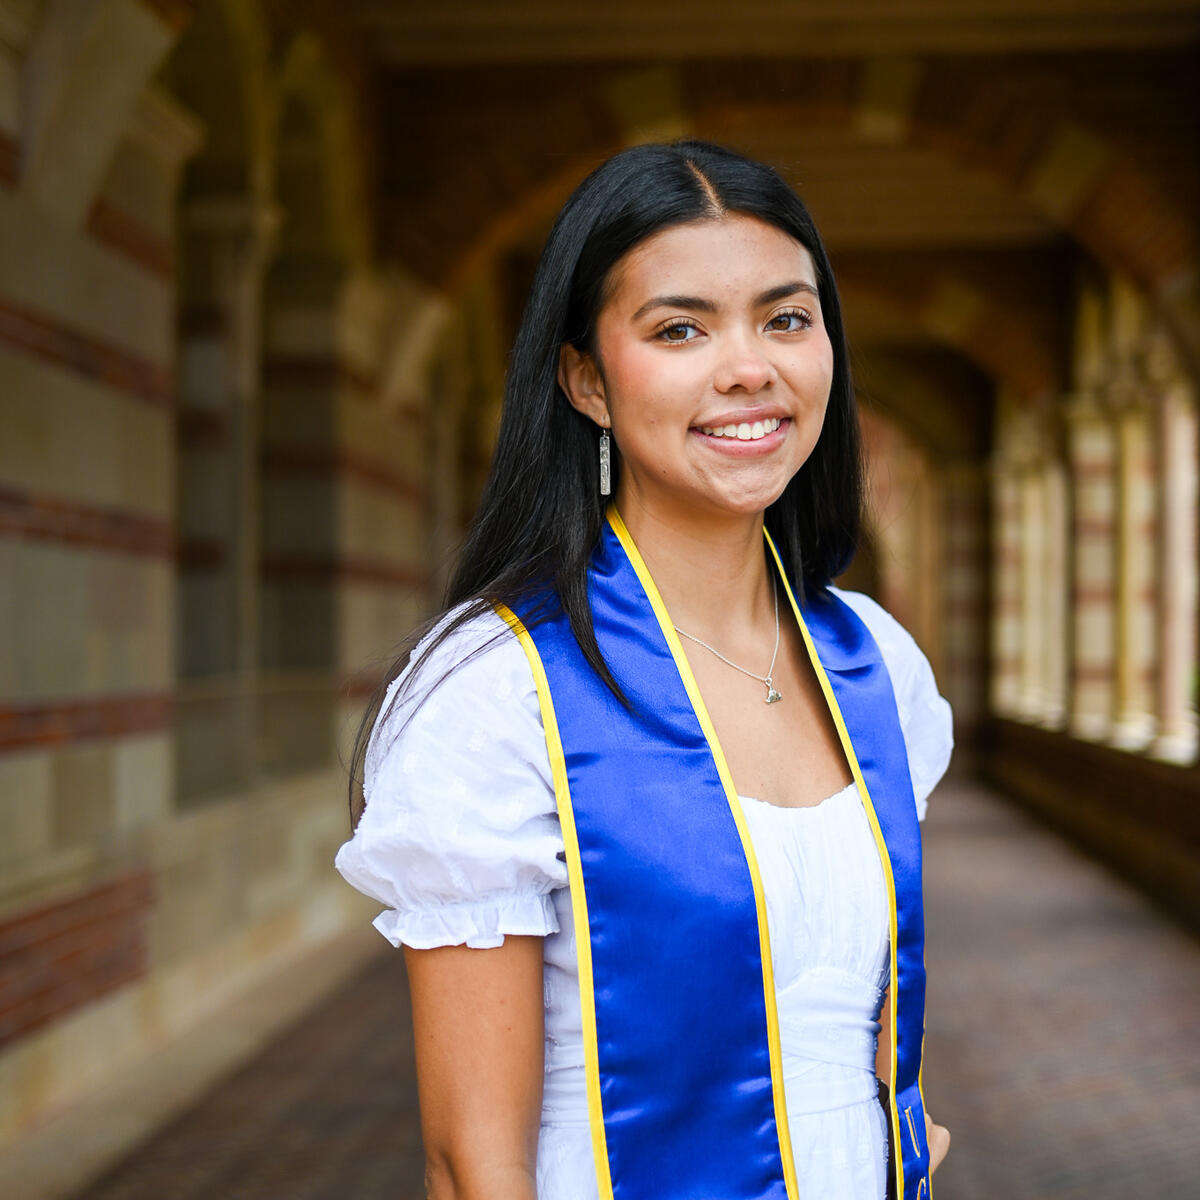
(712, 258)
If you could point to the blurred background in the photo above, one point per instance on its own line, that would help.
(260, 266)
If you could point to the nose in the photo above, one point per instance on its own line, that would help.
(744, 366)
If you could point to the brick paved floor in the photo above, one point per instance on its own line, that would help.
(326, 1112)
(1063, 1042)
(1063, 1049)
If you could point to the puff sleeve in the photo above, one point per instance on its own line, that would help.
(925, 715)
(459, 836)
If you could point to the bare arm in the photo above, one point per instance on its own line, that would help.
(937, 1136)
(478, 1027)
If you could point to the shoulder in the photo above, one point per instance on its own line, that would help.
(892, 637)
(925, 715)
(465, 673)
(459, 740)
(475, 648)
(904, 659)
(459, 834)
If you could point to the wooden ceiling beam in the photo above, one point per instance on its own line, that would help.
(481, 31)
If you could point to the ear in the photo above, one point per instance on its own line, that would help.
(580, 378)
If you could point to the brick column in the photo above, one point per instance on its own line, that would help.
(1042, 552)
(1136, 529)
(963, 571)
(228, 245)
(444, 416)
(1033, 553)
(1091, 444)
(1175, 431)
(1055, 575)
(1005, 681)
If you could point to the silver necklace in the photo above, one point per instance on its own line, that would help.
(772, 694)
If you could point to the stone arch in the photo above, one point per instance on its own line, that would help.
(1116, 208)
(902, 519)
(85, 75)
(954, 311)
(234, 103)
(313, 117)
(1112, 206)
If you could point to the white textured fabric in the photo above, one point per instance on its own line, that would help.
(925, 716)
(827, 918)
(460, 840)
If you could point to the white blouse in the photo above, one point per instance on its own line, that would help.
(460, 840)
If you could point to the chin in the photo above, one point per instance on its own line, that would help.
(748, 504)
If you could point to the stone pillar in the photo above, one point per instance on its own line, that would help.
(1004, 690)
(228, 243)
(313, 523)
(1056, 574)
(1033, 554)
(1044, 632)
(1175, 431)
(1091, 447)
(963, 571)
(1035, 560)
(931, 595)
(1134, 699)
(447, 402)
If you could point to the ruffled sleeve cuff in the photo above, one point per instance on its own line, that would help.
(480, 925)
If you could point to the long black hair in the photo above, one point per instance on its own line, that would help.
(541, 512)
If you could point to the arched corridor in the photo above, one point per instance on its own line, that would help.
(260, 268)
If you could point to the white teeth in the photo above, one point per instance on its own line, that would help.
(745, 432)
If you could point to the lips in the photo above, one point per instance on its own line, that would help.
(743, 431)
(744, 439)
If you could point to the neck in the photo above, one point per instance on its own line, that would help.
(712, 574)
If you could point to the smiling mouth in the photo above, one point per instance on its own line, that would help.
(745, 432)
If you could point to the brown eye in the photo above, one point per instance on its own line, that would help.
(676, 332)
(791, 321)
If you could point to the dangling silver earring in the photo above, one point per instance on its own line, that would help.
(605, 464)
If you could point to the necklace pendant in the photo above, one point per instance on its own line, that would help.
(772, 694)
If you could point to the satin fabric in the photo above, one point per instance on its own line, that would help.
(866, 703)
(685, 1089)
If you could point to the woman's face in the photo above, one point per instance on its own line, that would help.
(712, 367)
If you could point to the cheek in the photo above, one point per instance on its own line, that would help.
(824, 357)
(643, 389)
(631, 371)
(816, 372)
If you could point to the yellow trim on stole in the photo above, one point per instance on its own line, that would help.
(735, 807)
(583, 939)
(880, 844)
(575, 868)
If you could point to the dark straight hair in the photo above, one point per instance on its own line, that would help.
(541, 512)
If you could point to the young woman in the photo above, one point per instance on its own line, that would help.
(643, 805)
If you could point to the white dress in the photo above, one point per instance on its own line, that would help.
(460, 840)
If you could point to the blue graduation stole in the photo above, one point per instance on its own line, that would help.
(681, 1037)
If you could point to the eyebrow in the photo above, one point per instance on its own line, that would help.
(700, 304)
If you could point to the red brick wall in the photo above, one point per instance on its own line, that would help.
(59, 956)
